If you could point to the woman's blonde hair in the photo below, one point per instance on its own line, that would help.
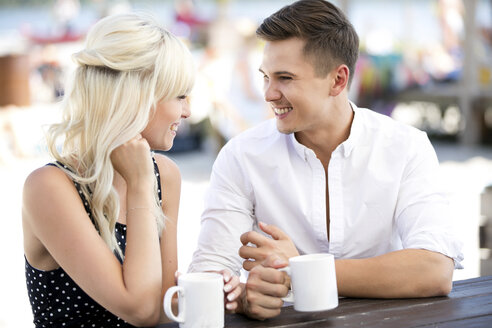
(128, 65)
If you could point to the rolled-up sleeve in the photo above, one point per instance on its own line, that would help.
(228, 214)
(423, 215)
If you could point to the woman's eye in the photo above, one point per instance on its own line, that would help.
(182, 97)
(285, 78)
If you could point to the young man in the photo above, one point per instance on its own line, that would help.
(325, 176)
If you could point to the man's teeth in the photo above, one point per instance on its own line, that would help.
(174, 127)
(280, 111)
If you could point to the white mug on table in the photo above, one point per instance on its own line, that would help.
(313, 281)
(200, 300)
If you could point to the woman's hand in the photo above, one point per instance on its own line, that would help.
(133, 162)
(232, 290)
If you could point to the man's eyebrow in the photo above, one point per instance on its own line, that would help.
(279, 73)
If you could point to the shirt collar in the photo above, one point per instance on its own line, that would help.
(346, 146)
(298, 147)
(355, 131)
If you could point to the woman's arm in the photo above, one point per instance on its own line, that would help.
(54, 214)
(171, 192)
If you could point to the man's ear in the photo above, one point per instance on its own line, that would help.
(340, 76)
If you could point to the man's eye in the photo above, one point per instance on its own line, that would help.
(285, 78)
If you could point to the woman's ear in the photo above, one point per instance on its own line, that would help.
(340, 77)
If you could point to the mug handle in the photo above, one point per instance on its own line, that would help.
(290, 294)
(168, 302)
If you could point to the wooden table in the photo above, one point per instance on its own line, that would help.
(468, 305)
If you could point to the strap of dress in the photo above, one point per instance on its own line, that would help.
(81, 194)
(86, 203)
(158, 177)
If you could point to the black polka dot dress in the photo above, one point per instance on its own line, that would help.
(57, 301)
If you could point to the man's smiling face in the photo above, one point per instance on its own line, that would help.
(296, 95)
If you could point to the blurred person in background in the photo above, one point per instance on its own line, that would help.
(228, 72)
(443, 60)
(325, 176)
(65, 11)
(187, 21)
(100, 221)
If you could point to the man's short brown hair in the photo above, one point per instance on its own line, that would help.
(330, 39)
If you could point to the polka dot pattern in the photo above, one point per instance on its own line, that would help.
(57, 301)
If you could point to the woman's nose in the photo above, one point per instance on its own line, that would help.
(186, 112)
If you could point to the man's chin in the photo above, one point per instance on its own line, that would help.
(284, 130)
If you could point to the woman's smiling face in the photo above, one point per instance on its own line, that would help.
(163, 125)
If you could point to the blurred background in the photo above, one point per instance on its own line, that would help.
(427, 63)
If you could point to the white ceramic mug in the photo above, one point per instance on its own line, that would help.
(200, 300)
(313, 282)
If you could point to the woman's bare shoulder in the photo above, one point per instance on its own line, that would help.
(168, 169)
(45, 177)
(45, 187)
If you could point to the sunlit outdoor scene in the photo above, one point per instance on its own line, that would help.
(427, 63)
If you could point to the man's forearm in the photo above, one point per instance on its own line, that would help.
(400, 274)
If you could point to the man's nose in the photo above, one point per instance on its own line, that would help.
(271, 92)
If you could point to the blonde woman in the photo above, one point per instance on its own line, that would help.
(100, 221)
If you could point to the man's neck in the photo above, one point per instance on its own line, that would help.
(323, 141)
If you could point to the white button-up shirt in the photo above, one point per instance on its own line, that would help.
(383, 194)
